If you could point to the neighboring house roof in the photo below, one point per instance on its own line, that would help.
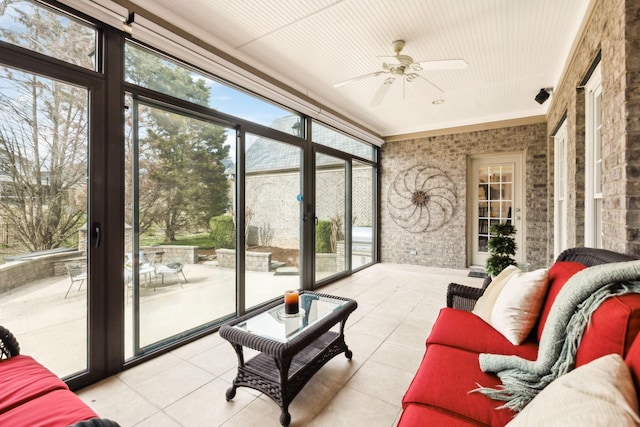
(264, 154)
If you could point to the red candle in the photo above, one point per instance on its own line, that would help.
(291, 302)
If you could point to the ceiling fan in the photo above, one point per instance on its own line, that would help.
(402, 67)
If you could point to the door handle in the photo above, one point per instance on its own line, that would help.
(305, 218)
(97, 234)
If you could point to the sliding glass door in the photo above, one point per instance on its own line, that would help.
(331, 216)
(51, 133)
(178, 184)
(272, 217)
(45, 279)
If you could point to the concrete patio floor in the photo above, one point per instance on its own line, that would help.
(53, 328)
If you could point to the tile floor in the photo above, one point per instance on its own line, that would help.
(397, 305)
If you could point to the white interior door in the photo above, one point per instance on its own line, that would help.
(496, 192)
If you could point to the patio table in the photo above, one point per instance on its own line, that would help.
(292, 348)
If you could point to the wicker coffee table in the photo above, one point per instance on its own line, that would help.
(292, 348)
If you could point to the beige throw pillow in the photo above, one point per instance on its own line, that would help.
(484, 305)
(518, 306)
(598, 394)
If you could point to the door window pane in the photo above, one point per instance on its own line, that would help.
(177, 274)
(43, 215)
(273, 198)
(331, 257)
(36, 27)
(362, 236)
(495, 200)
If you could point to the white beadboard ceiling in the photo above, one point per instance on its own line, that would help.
(512, 47)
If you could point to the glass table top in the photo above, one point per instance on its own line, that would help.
(276, 325)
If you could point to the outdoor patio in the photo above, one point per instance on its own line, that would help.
(52, 328)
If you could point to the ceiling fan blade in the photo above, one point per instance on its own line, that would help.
(444, 64)
(355, 79)
(382, 92)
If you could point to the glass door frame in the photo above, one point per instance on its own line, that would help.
(98, 295)
(518, 214)
(242, 129)
(311, 217)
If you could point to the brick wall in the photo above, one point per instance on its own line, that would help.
(446, 247)
(272, 200)
(613, 29)
(631, 153)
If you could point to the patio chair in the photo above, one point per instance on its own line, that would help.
(146, 266)
(170, 268)
(77, 273)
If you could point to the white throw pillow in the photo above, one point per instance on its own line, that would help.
(518, 305)
(600, 393)
(485, 303)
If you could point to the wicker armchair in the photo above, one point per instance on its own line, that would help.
(8, 344)
(464, 297)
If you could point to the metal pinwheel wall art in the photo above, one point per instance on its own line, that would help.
(422, 199)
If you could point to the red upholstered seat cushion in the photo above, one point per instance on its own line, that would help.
(22, 379)
(559, 273)
(613, 328)
(465, 330)
(58, 408)
(420, 415)
(444, 379)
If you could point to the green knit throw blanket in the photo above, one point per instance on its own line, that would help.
(569, 316)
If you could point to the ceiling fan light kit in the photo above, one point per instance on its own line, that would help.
(404, 67)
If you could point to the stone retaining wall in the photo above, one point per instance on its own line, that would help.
(17, 273)
(328, 263)
(175, 253)
(255, 261)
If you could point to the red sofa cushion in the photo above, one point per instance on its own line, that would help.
(22, 379)
(421, 415)
(559, 273)
(613, 328)
(633, 362)
(465, 330)
(58, 408)
(444, 379)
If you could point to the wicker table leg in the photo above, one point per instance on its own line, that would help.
(231, 391)
(283, 366)
(285, 418)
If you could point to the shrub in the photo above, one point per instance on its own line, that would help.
(323, 237)
(502, 247)
(222, 232)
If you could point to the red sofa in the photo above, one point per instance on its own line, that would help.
(439, 394)
(32, 396)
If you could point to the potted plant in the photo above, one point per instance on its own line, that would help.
(502, 248)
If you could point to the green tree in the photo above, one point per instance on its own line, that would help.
(181, 174)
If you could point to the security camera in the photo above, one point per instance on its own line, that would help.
(543, 95)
